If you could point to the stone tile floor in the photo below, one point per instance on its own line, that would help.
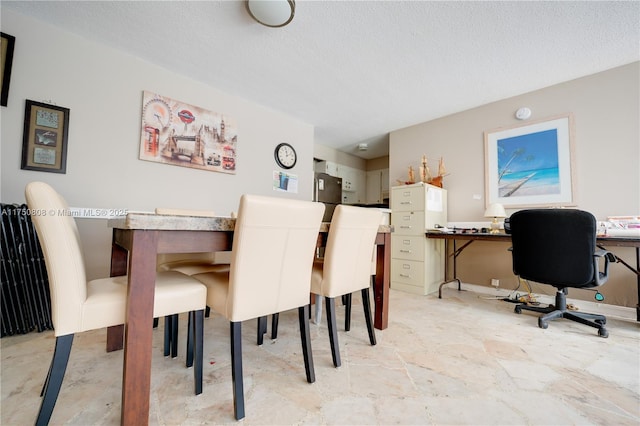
(466, 359)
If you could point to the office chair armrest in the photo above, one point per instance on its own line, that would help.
(601, 277)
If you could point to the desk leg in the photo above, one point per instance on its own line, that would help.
(454, 255)
(136, 380)
(637, 272)
(383, 275)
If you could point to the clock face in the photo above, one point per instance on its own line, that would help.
(285, 156)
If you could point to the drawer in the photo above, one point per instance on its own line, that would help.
(408, 223)
(408, 247)
(408, 272)
(407, 199)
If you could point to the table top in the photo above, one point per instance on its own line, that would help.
(161, 222)
(622, 241)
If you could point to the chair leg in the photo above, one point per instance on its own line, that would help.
(236, 369)
(190, 339)
(174, 335)
(366, 303)
(262, 329)
(198, 337)
(347, 311)
(274, 326)
(55, 377)
(167, 335)
(207, 312)
(305, 337)
(171, 335)
(333, 332)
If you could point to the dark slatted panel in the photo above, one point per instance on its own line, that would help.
(25, 297)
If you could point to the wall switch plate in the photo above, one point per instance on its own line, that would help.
(495, 282)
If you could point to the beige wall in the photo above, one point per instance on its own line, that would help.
(378, 163)
(606, 110)
(103, 89)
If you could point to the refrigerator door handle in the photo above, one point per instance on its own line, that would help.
(315, 186)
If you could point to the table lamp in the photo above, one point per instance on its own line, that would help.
(495, 210)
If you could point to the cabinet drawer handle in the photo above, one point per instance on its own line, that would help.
(405, 251)
(405, 226)
(405, 275)
(405, 202)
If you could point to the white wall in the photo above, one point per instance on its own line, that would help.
(606, 110)
(103, 89)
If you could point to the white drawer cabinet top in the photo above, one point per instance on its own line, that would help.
(418, 197)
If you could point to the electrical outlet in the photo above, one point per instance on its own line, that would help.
(495, 282)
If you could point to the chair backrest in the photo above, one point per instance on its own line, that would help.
(347, 258)
(60, 242)
(274, 243)
(554, 246)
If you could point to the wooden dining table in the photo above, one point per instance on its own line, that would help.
(137, 239)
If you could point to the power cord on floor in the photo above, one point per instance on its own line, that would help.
(528, 298)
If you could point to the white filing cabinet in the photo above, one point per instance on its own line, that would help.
(417, 263)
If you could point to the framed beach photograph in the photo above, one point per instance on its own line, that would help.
(531, 165)
(44, 141)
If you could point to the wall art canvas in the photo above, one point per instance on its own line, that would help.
(531, 165)
(180, 134)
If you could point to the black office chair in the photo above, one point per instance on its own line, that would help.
(558, 247)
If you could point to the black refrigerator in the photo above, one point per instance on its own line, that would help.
(327, 190)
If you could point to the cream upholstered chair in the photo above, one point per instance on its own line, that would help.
(347, 265)
(78, 305)
(188, 264)
(273, 249)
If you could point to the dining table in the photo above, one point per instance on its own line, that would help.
(137, 238)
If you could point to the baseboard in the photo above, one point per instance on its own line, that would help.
(614, 311)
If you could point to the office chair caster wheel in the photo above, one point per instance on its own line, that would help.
(602, 332)
(601, 321)
(542, 324)
(517, 309)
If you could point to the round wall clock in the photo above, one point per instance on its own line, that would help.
(285, 156)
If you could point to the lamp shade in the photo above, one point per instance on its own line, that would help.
(495, 210)
(272, 13)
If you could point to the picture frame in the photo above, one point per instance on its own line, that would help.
(45, 136)
(8, 45)
(531, 165)
(180, 134)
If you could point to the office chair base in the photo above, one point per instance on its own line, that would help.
(559, 310)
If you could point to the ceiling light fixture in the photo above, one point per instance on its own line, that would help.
(363, 147)
(272, 13)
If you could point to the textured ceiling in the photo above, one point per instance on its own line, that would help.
(357, 70)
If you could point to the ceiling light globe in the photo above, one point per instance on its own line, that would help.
(272, 13)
